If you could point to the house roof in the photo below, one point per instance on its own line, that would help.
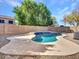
(3, 17)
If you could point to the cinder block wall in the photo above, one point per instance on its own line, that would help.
(16, 29)
(61, 29)
(2, 28)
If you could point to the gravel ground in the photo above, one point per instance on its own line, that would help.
(70, 36)
(3, 40)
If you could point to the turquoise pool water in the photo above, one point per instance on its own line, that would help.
(45, 37)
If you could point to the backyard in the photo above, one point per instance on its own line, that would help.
(38, 29)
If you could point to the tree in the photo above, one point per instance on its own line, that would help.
(72, 18)
(32, 13)
(54, 21)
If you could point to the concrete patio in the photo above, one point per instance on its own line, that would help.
(61, 50)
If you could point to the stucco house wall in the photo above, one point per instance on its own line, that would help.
(6, 19)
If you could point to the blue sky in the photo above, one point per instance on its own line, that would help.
(58, 8)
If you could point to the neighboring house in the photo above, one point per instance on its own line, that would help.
(6, 20)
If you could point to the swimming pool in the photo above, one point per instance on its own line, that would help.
(45, 37)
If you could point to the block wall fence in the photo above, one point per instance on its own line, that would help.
(16, 29)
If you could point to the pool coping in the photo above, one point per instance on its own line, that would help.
(31, 34)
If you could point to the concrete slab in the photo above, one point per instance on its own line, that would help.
(27, 47)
